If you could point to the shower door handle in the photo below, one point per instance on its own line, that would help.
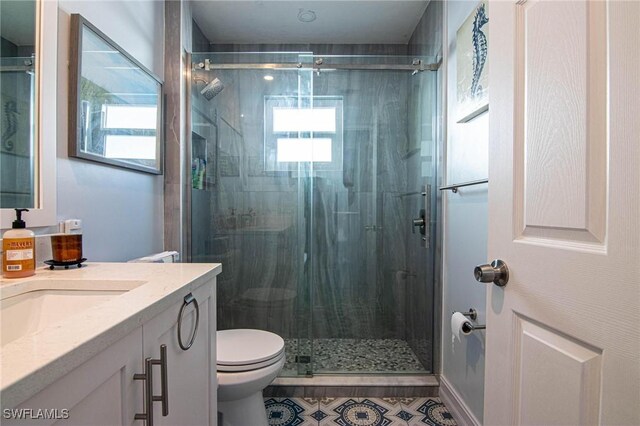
(420, 223)
(427, 217)
(423, 223)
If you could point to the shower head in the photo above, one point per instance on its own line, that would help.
(212, 89)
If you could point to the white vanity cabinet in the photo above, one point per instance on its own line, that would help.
(111, 387)
(99, 392)
(191, 373)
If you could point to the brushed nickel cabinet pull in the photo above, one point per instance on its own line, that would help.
(164, 376)
(164, 382)
(188, 299)
(149, 397)
(147, 376)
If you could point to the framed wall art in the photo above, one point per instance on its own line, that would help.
(472, 41)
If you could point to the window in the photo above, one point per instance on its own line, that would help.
(296, 134)
(316, 150)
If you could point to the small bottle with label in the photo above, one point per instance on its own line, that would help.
(18, 250)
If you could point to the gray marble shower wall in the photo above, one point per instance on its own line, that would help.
(313, 252)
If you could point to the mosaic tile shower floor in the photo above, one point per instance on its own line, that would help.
(357, 412)
(355, 355)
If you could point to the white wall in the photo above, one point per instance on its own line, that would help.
(465, 231)
(122, 210)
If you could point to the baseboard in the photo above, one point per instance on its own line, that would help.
(455, 404)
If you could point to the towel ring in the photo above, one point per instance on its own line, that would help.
(188, 299)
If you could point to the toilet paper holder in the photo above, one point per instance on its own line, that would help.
(467, 327)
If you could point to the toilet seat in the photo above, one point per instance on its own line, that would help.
(222, 368)
(245, 350)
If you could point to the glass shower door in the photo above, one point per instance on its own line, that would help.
(248, 202)
(373, 277)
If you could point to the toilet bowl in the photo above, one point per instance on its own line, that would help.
(248, 361)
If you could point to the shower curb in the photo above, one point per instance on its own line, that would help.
(377, 386)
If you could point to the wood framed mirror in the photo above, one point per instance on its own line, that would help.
(115, 103)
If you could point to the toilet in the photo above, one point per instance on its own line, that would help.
(248, 361)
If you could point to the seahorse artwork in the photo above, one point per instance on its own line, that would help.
(479, 48)
(10, 125)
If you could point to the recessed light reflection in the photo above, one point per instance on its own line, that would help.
(268, 77)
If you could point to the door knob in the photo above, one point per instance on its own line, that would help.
(497, 272)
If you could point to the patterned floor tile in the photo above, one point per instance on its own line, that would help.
(328, 411)
(329, 404)
(290, 412)
(405, 415)
(428, 411)
(319, 415)
(360, 412)
(394, 407)
(406, 400)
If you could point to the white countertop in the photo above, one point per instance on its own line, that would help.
(32, 362)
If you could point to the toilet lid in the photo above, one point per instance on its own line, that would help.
(245, 347)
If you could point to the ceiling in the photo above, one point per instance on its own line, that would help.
(337, 22)
(18, 22)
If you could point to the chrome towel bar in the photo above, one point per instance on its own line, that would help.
(454, 188)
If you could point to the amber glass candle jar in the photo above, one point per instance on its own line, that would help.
(66, 247)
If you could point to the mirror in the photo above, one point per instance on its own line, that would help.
(18, 104)
(114, 103)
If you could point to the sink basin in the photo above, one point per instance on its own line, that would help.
(36, 305)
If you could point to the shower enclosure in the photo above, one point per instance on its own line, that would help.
(313, 183)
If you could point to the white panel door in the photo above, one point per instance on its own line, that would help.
(563, 337)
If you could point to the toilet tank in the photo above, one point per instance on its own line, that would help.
(164, 257)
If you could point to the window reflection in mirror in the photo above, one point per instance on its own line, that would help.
(18, 103)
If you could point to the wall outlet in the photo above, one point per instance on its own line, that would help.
(71, 226)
